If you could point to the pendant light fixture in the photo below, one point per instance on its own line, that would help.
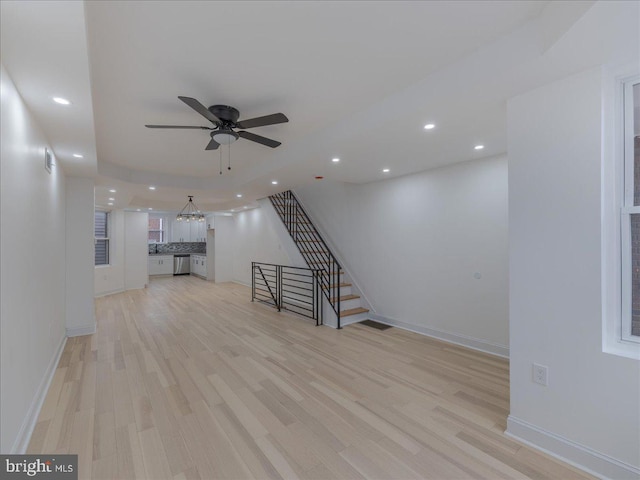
(190, 212)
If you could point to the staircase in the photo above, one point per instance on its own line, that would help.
(336, 287)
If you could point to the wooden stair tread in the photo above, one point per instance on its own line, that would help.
(344, 298)
(353, 311)
(343, 284)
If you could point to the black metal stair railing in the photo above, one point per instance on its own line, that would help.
(313, 248)
(294, 289)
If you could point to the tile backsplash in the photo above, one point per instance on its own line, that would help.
(178, 247)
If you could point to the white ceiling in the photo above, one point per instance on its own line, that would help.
(357, 80)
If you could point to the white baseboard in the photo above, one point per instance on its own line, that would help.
(469, 342)
(21, 443)
(79, 331)
(111, 292)
(584, 458)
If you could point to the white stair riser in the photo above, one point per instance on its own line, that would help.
(354, 318)
(349, 304)
(343, 291)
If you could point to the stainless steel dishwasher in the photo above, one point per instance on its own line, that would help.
(181, 264)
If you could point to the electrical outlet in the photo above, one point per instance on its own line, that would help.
(541, 374)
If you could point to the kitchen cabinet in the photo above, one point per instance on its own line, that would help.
(180, 231)
(188, 231)
(198, 232)
(199, 265)
(210, 222)
(161, 265)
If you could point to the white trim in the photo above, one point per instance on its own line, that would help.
(26, 429)
(580, 456)
(612, 199)
(80, 331)
(463, 340)
(628, 208)
(110, 292)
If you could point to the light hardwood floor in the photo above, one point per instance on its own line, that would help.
(188, 379)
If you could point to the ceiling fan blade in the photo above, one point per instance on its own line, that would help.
(262, 121)
(212, 145)
(201, 109)
(176, 126)
(257, 138)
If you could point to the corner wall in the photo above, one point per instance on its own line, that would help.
(415, 245)
(589, 412)
(32, 269)
(81, 317)
(255, 240)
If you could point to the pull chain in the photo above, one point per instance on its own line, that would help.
(220, 161)
(229, 167)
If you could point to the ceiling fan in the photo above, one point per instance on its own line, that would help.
(225, 119)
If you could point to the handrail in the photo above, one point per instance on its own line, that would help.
(297, 289)
(293, 216)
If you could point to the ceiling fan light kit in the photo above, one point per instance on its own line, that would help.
(225, 119)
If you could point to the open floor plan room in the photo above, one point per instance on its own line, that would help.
(189, 379)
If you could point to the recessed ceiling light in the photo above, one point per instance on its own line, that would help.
(245, 207)
(239, 195)
(61, 101)
(232, 210)
(137, 209)
(112, 190)
(112, 199)
(335, 160)
(478, 147)
(110, 203)
(150, 208)
(151, 187)
(274, 182)
(429, 126)
(77, 155)
(385, 170)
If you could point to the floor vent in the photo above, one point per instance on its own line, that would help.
(376, 325)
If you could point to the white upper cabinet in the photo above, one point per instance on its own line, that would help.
(198, 232)
(188, 231)
(180, 231)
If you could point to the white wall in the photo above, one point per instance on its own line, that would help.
(555, 162)
(81, 318)
(413, 245)
(32, 268)
(136, 251)
(224, 238)
(255, 240)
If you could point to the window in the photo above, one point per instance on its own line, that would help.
(630, 214)
(101, 235)
(156, 230)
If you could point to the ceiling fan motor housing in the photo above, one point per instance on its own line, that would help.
(225, 113)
